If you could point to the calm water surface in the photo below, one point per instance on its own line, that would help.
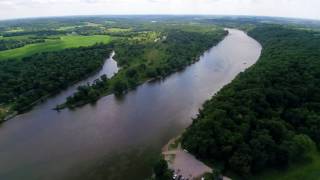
(117, 138)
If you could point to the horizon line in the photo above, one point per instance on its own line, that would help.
(106, 15)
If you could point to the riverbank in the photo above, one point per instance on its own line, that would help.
(184, 164)
(6, 114)
(181, 161)
(111, 90)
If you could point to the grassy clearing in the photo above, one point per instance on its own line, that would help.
(3, 112)
(174, 143)
(93, 24)
(154, 55)
(65, 28)
(110, 22)
(119, 29)
(18, 29)
(199, 28)
(89, 24)
(309, 169)
(147, 37)
(54, 45)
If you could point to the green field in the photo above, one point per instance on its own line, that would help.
(64, 28)
(119, 29)
(88, 24)
(64, 42)
(309, 169)
(18, 29)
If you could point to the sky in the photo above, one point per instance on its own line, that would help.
(10, 9)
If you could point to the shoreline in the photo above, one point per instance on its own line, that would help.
(149, 80)
(173, 147)
(183, 163)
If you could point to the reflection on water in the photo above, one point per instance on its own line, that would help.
(118, 139)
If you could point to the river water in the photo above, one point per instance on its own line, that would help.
(118, 138)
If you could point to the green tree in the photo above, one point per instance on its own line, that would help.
(119, 87)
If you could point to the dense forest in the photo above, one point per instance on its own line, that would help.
(269, 115)
(148, 56)
(25, 81)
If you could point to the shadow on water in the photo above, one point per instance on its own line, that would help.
(117, 166)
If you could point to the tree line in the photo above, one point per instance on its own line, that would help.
(6, 44)
(36, 33)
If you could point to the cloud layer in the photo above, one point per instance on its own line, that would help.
(34, 8)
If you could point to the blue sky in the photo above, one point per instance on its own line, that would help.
(39, 8)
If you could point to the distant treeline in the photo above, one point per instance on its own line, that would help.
(16, 43)
(269, 116)
(37, 33)
(25, 81)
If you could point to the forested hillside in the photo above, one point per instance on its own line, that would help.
(269, 116)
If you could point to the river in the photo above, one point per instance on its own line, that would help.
(118, 138)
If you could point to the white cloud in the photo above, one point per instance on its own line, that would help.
(34, 8)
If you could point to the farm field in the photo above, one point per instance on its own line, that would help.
(66, 41)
